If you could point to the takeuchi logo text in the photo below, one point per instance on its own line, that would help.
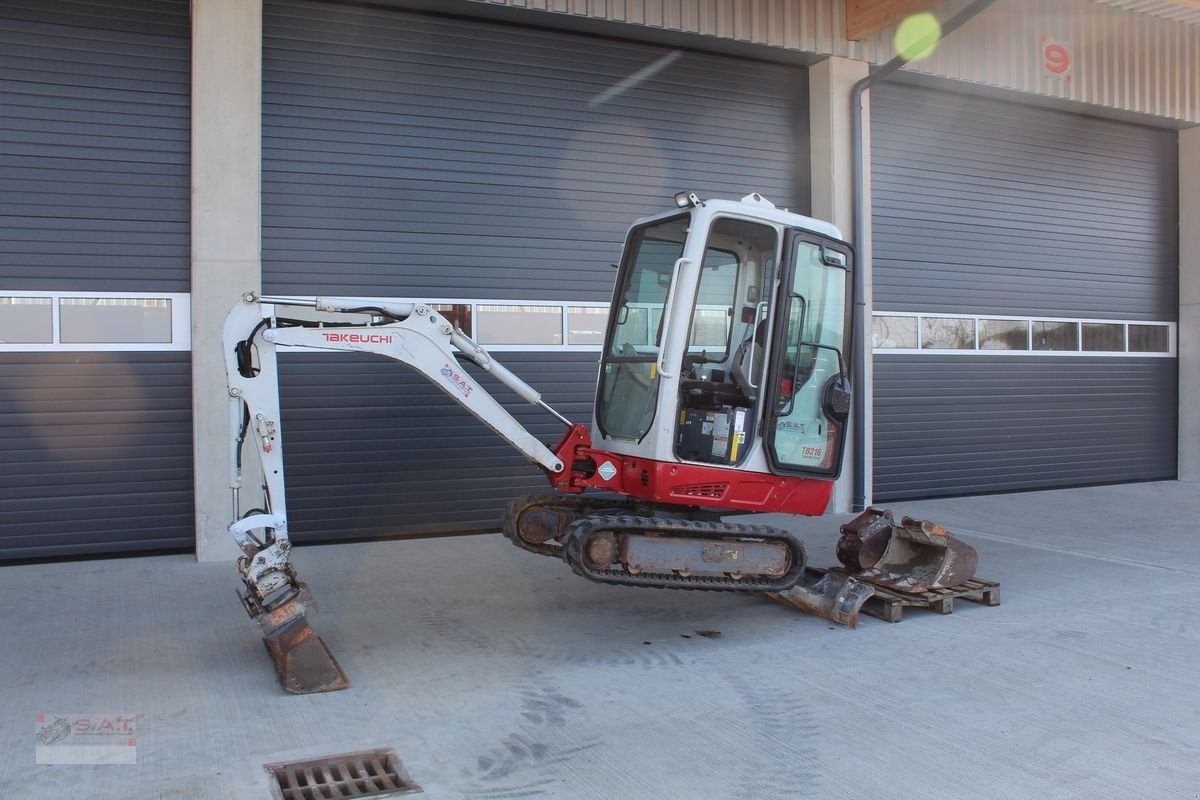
(457, 380)
(358, 338)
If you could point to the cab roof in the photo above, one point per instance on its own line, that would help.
(756, 206)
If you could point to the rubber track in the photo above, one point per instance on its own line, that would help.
(579, 531)
(570, 503)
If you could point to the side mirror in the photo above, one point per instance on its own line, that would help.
(836, 399)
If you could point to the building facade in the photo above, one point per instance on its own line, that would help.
(1032, 255)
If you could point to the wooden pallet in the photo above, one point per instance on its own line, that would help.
(888, 605)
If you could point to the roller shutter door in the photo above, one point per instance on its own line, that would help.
(412, 155)
(996, 209)
(96, 446)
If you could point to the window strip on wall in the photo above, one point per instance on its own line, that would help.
(903, 332)
(538, 326)
(144, 321)
(97, 321)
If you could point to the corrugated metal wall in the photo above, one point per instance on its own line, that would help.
(373, 449)
(1180, 10)
(954, 424)
(95, 448)
(992, 208)
(1122, 60)
(96, 453)
(94, 145)
(414, 155)
(411, 155)
(983, 207)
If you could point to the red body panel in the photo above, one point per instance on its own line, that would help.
(684, 484)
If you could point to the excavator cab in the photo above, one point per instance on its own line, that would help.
(727, 343)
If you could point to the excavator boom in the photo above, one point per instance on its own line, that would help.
(411, 333)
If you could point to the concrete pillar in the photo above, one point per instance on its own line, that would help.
(226, 239)
(1189, 305)
(830, 83)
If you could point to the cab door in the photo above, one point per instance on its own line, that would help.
(809, 390)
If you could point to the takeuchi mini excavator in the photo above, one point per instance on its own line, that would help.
(722, 387)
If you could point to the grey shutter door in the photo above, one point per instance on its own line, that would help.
(412, 155)
(994, 208)
(95, 447)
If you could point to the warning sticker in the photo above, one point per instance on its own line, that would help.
(607, 470)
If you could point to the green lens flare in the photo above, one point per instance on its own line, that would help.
(918, 36)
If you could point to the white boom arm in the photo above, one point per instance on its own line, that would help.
(418, 336)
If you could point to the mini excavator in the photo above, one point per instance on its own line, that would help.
(723, 387)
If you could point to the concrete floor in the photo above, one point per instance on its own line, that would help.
(498, 674)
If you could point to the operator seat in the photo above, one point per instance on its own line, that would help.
(748, 361)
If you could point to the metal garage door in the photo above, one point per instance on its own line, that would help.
(95, 438)
(1025, 296)
(456, 159)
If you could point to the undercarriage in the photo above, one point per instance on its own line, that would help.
(669, 548)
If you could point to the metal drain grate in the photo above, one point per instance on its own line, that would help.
(368, 773)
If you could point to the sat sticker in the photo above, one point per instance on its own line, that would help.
(607, 470)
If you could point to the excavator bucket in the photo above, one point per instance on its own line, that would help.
(833, 596)
(305, 665)
(867, 525)
(913, 557)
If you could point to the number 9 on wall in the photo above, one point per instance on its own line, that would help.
(1056, 58)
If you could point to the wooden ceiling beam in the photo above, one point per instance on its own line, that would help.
(865, 17)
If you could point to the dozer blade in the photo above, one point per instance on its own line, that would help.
(914, 556)
(833, 596)
(305, 665)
